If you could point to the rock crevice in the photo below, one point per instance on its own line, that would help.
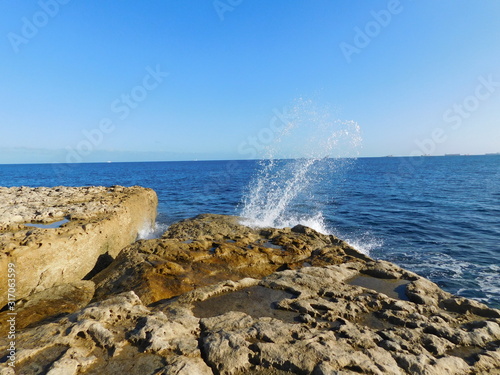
(100, 221)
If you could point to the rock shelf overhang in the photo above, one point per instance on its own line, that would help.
(93, 221)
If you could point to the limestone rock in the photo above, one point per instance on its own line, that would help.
(90, 221)
(220, 249)
(311, 320)
(50, 303)
(311, 306)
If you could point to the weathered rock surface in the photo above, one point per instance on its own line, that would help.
(49, 304)
(267, 301)
(94, 221)
(212, 248)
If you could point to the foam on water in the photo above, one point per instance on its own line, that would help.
(148, 231)
(463, 278)
(489, 281)
(311, 147)
(364, 243)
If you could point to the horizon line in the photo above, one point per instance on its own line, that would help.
(212, 160)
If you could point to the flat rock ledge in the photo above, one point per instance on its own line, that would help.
(215, 297)
(55, 236)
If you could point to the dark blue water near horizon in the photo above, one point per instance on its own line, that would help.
(437, 216)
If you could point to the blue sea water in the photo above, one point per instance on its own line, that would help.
(437, 216)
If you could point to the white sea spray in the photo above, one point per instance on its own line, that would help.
(312, 148)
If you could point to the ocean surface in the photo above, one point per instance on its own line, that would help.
(437, 216)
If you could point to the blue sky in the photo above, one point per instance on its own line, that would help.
(86, 81)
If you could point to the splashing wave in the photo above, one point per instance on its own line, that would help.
(287, 191)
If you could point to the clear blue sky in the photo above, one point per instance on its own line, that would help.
(431, 70)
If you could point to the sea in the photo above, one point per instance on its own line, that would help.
(437, 216)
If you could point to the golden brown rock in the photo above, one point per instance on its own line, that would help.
(49, 304)
(90, 221)
(313, 305)
(220, 249)
(314, 320)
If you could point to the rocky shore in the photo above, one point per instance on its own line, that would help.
(212, 296)
(56, 236)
